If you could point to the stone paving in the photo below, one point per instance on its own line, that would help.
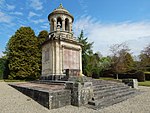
(42, 86)
(12, 101)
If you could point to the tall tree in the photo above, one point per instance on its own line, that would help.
(87, 54)
(23, 54)
(1, 67)
(121, 58)
(41, 38)
(145, 59)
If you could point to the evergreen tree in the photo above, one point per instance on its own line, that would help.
(128, 62)
(1, 67)
(87, 54)
(41, 38)
(23, 54)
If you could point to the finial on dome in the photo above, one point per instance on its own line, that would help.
(60, 6)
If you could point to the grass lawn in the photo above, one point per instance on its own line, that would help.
(7, 80)
(146, 83)
(110, 79)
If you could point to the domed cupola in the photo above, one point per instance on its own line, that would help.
(60, 20)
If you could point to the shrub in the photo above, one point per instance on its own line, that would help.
(147, 75)
(140, 76)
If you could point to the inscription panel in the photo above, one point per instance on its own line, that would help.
(71, 59)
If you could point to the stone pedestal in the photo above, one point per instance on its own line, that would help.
(131, 82)
(81, 93)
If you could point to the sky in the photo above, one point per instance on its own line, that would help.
(104, 22)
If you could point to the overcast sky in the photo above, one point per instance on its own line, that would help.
(105, 22)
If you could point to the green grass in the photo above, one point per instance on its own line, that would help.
(106, 78)
(7, 80)
(146, 83)
(110, 79)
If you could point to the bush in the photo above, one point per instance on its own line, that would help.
(147, 75)
(140, 76)
(96, 73)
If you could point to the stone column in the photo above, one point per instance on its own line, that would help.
(63, 24)
(50, 23)
(55, 24)
(80, 55)
(70, 26)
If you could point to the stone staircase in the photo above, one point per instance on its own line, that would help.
(107, 93)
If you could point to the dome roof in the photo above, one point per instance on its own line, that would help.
(60, 10)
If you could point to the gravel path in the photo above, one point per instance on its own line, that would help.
(12, 101)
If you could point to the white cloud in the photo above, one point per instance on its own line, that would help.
(17, 13)
(83, 5)
(31, 14)
(45, 26)
(136, 34)
(36, 4)
(4, 18)
(38, 21)
(10, 7)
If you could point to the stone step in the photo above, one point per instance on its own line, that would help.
(112, 102)
(110, 93)
(113, 89)
(104, 87)
(97, 82)
(112, 99)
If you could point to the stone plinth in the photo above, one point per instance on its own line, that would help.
(50, 96)
(81, 93)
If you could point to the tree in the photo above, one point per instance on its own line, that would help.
(145, 59)
(87, 54)
(41, 38)
(23, 54)
(121, 58)
(128, 62)
(1, 67)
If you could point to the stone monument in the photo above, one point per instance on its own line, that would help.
(61, 51)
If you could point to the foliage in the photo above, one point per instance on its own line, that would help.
(41, 38)
(122, 60)
(145, 59)
(1, 67)
(87, 55)
(140, 76)
(23, 54)
(4, 70)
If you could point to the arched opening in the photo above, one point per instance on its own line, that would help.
(59, 22)
(66, 24)
(52, 25)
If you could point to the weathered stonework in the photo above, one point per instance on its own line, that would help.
(61, 50)
(81, 93)
(49, 99)
(131, 82)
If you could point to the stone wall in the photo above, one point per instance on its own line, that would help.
(49, 99)
(81, 93)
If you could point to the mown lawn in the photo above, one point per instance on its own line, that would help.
(7, 80)
(146, 83)
(110, 79)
